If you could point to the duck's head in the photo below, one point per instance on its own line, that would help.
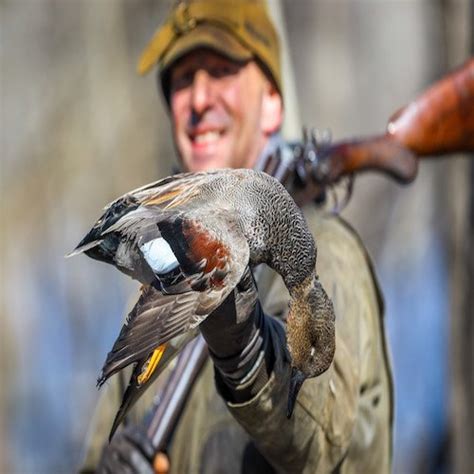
(310, 334)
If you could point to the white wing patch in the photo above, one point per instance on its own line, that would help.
(159, 255)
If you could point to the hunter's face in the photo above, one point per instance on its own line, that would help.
(223, 112)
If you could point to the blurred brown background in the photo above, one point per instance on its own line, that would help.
(79, 127)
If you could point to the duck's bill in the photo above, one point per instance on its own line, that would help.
(296, 381)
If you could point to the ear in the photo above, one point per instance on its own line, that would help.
(272, 110)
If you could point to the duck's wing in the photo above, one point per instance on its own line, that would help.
(94, 240)
(245, 298)
(175, 190)
(165, 196)
(209, 265)
(155, 319)
(187, 246)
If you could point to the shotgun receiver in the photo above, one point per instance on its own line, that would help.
(440, 121)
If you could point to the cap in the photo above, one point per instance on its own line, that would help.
(238, 29)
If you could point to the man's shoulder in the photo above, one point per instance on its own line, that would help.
(340, 249)
(326, 226)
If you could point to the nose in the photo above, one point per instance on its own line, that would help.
(201, 94)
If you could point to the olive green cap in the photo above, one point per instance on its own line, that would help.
(238, 29)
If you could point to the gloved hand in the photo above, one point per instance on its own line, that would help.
(237, 334)
(130, 451)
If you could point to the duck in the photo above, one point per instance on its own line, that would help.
(189, 239)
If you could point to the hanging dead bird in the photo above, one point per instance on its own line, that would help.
(189, 239)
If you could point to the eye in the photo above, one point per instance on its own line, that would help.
(222, 70)
(312, 352)
(182, 79)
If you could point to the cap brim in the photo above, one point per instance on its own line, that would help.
(206, 36)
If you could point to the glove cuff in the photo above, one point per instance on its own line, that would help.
(241, 377)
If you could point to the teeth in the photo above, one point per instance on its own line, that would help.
(206, 137)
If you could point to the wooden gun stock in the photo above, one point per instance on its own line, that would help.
(441, 120)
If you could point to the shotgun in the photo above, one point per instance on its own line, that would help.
(438, 122)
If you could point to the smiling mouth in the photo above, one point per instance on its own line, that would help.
(206, 138)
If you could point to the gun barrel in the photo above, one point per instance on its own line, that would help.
(169, 407)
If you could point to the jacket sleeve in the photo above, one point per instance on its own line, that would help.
(318, 434)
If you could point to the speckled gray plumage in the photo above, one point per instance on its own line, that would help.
(273, 225)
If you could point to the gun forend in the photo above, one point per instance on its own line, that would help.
(441, 120)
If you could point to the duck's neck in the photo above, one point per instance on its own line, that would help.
(293, 250)
(311, 328)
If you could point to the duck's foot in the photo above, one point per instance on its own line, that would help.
(151, 364)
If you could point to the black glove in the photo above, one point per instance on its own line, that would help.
(129, 452)
(237, 334)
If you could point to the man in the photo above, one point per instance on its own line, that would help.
(220, 74)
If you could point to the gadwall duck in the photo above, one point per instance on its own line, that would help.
(189, 239)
